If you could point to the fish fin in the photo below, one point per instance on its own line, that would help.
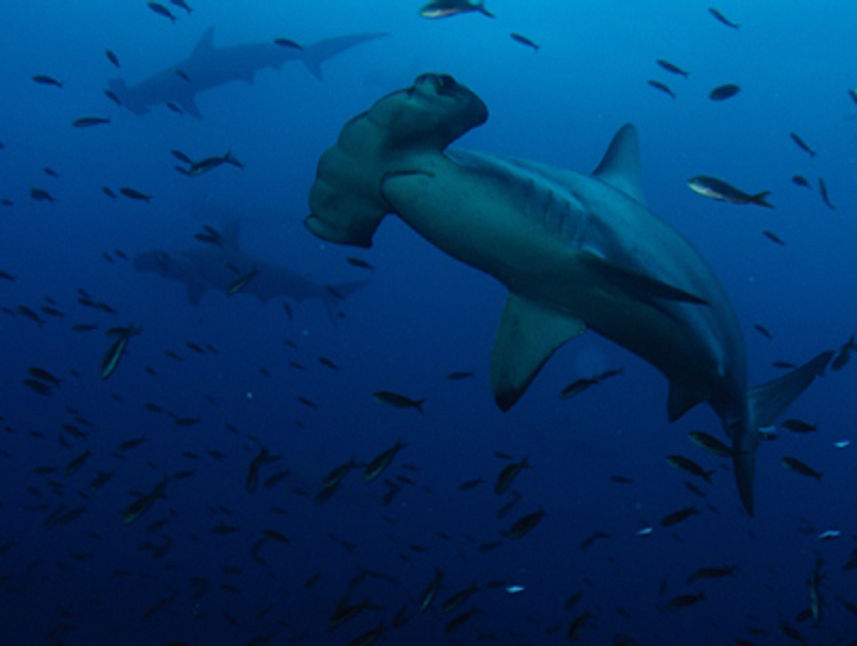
(528, 334)
(205, 44)
(761, 199)
(188, 104)
(317, 53)
(681, 399)
(620, 166)
(640, 286)
(229, 235)
(769, 400)
(194, 292)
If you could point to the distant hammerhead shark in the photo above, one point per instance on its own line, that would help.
(575, 250)
(208, 67)
(220, 265)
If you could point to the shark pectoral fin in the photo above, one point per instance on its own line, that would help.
(527, 336)
(769, 400)
(681, 399)
(194, 292)
(620, 166)
(639, 286)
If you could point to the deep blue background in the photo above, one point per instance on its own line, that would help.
(421, 317)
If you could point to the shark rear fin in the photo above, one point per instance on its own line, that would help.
(527, 336)
(318, 53)
(205, 44)
(620, 166)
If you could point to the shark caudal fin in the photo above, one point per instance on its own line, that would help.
(318, 53)
(766, 402)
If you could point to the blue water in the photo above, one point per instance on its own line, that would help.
(96, 580)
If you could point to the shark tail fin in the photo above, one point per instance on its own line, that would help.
(318, 53)
(766, 402)
(333, 295)
(761, 199)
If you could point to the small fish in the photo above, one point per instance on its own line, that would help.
(458, 621)
(676, 517)
(23, 310)
(398, 401)
(525, 524)
(5, 275)
(50, 172)
(112, 57)
(38, 387)
(144, 502)
(285, 42)
(369, 637)
(43, 375)
(844, 354)
(663, 87)
(712, 572)
(761, 329)
(673, 69)
(357, 262)
(252, 480)
(802, 144)
(577, 386)
(86, 122)
(523, 40)
(76, 463)
(447, 8)
(241, 282)
(689, 466)
(829, 534)
(467, 485)
(174, 108)
(380, 462)
(108, 192)
(181, 4)
(41, 195)
(116, 350)
(162, 11)
(798, 426)
(430, 592)
(685, 600)
(721, 18)
(773, 237)
(793, 464)
(44, 79)
(822, 188)
(723, 92)
(508, 475)
(110, 94)
(178, 154)
(620, 479)
(210, 163)
(84, 327)
(183, 75)
(719, 190)
(800, 180)
(135, 194)
(711, 444)
(842, 444)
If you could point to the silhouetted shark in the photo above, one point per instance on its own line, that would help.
(221, 266)
(208, 67)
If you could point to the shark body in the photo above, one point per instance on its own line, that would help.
(219, 267)
(576, 251)
(209, 66)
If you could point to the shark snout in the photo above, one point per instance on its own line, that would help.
(438, 85)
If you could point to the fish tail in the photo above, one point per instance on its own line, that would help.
(481, 9)
(419, 405)
(707, 475)
(761, 199)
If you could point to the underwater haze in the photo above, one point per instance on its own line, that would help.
(219, 428)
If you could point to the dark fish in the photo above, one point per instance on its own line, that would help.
(458, 621)
(843, 355)
(369, 637)
(723, 92)
(285, 42)
(793, 464)
(430, 592)
(383, 460)
(800, 180)
(38, 387)
(43, 375)
(183, 75)
(712, 572)
(447, 8)
(241, 282)
(174, 108)
(135, 194)
(25, 311)
(508, 475)
(802, 144)
(44, 79)
(178, 154)
(112, 57)
(114, 353)
(711, 444)
(328, 363)
(577, 386)
(689, 466)
(523, 40)
(108, 192)
(51, 172)
(719, 190)
(674, 69)
(685, 600)
(721, 18)
(761, 329)
(798, 426)
(470, 484)
(76, 463)
(210, 163)
(678, 516)
(784, 365)
(577, 625)
(773, 237)
(357, 262)
(524, 525)
(661, 86)
(620, 479)
(110, 94)
(144, 502)
(252, 479)
(41, 195)
(182, 5)
(85, 122)
(5, 275)
(822, 188)
(84, 327)
(162, 10)
(398, 401)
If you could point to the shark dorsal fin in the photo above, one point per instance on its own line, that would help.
(206, 43)
(229, 235)
(527, 336)
(620, 166)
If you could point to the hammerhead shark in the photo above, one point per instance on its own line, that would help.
(209, 66)
(220, 265)
(576, 251)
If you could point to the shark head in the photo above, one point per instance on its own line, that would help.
(401, 133)
(126, 97)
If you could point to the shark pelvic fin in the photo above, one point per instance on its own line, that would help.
(620, 166)
(188, 104)
(637, 285)
(527, 336)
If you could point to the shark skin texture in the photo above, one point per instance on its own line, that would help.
(576, 251)
(209, 66)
